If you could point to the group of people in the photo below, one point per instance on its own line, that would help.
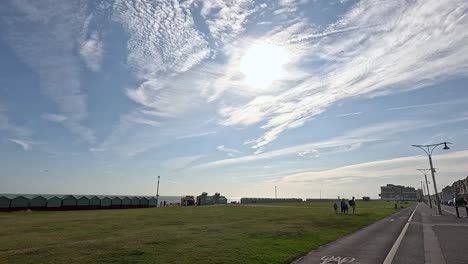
(344, 206)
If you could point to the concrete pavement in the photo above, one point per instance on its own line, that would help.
(451, 210)
(368, 245)
(440, 239)
(405, 237)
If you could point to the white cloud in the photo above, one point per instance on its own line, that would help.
(146, 121)
(332, 143)
(450, 165)
(19, 134)
(92, 51)
(229, 151)
(202, 134)
(310, 153)
(26, 145)
(54, 117)
(349, 114)
(46, 42)
(163, 39)
(427, 105)
(226, 19)
(373, 50)
(349, 141)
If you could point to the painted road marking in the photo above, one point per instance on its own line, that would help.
(336, 260)
(391, 220)
(392, 252)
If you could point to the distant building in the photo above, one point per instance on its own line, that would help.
(458, 189)
(393, 192)
(461, 187)
(419, 195)
(205, 199)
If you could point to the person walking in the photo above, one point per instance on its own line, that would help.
(343, 206)
(335, 207)
(352, 203)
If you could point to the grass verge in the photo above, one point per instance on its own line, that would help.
(274, 233)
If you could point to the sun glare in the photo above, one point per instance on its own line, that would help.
(263, 63)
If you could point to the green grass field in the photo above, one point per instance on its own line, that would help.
(211, 234)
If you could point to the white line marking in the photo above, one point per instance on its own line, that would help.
(392, 252)
(336, 260)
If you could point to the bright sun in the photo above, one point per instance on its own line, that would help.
(263, 63)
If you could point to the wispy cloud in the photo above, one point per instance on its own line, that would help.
(26, 145)
(92, 51)
(374, 50)
(427, 105)
(311, 153)
(349, 141)
(54, 117)
(194, 135)
(452, 163)
(43, 36)
(349, 114)
(226, 19)
(19, 134)
(229, 151)
(163, 43)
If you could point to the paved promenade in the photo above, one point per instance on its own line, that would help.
(413, 235)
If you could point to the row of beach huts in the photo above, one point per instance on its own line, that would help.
(14, 202)
(270, 200)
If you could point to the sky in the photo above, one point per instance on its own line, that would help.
(314, 97)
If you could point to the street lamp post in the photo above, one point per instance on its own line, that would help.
(423, 191)
(157, 193)
(429, 149)
(424, 171)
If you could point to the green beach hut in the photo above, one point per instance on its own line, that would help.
(94, 202)
(4, 203)
(105, 202)
(135, 202)
(38, 201)
(82, 202)
(126, 201)
(153, 202)
(19, 202)
(69, 202)
(144, 202)
(54, 202)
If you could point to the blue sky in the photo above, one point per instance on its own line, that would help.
(100, 97)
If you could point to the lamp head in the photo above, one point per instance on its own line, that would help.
(445, 146)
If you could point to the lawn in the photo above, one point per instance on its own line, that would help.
(210, 234)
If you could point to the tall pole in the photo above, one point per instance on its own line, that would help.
(157, 193)
(437, 200)
(429, 149)
(422, 191)
(276, 193)
(428, 192)
(424, 172)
